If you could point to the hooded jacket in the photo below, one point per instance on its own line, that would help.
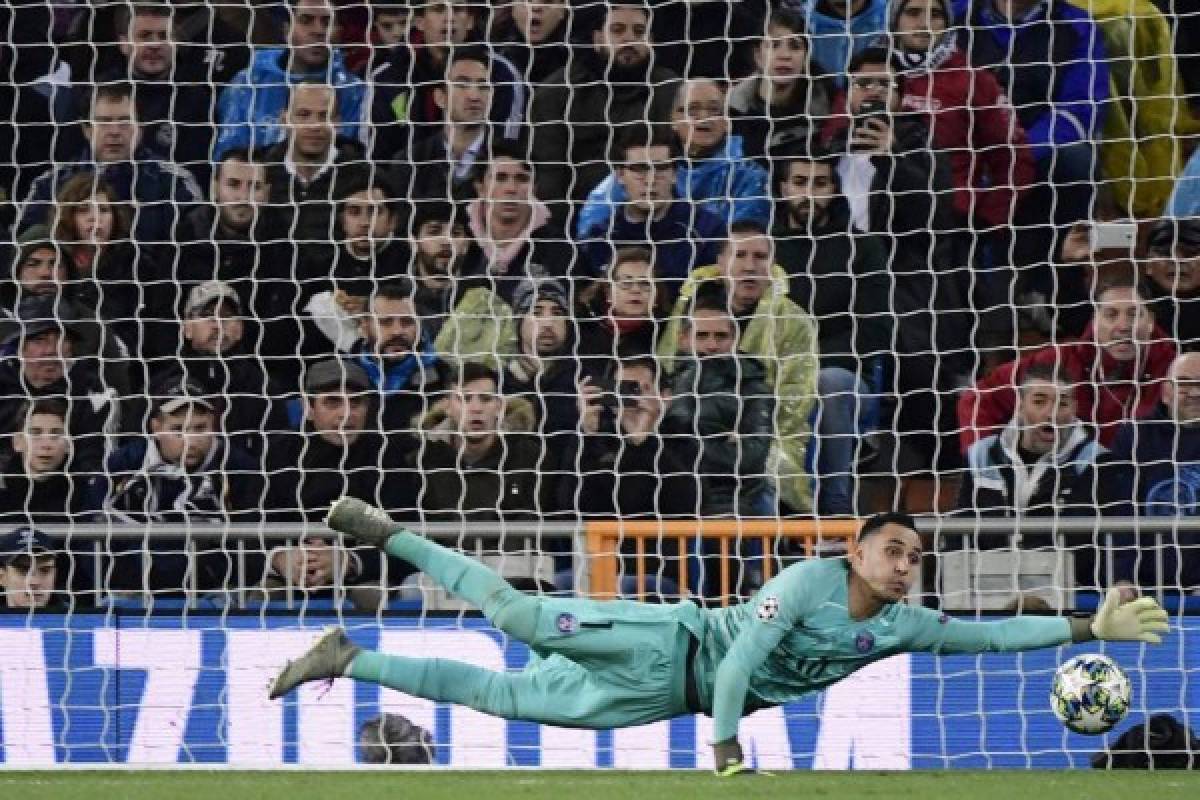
(251, 108)
(783, 337)
(1119, 392)
(998, 483)
(726, 184)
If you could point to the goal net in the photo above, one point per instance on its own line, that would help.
(630, 299)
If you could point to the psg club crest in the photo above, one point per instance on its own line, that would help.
(567, 623)
(768, 609)
(864, 641)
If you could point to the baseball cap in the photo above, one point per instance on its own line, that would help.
(37, 315)
(209, 292)
(176, 393)
(530, 291)
(335, 373)
(23, 541)
(1169, 233)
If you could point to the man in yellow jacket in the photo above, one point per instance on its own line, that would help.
(775, 330)
(1140, 154)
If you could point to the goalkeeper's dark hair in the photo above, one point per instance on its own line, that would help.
(876, 523)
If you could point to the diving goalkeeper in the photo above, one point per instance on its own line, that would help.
(621, 663)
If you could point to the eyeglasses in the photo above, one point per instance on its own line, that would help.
(643, 168)
(879, 82)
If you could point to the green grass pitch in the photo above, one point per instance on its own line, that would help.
(539, 785)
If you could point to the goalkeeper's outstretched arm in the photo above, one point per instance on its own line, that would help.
(1141, 620)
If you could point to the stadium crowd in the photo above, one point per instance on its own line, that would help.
(540, 259)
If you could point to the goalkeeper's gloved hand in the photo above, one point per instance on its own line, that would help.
(1140, 620)
(727, 756)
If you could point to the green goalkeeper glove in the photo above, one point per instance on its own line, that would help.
(728, 758)
(1140, 620)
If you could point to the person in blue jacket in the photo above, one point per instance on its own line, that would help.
(681, 236)
(1153, 470)
(715, 173)
(251, 107)
(1185, 199)
(1049, 57)
(838, 30)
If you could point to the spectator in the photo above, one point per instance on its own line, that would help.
(841, 29)
(368, 251)
(441, 163)
(221, 240)
(181, 470)
(29, 571)
(50, 353)
(1042, 463)
(399, 359)
(304, 171)
(785, 103)
(723, 399)
(37, 483)
(159, 191)
(576, 110)
(899, 190)
(840, 278)
(216, 355)
(543, 371)
(257, 100)
(319, 567)
(112, 278)
(1117, 368)
(1173, 290)
(970, 118)
(1152, 473)
(536, 39)
(39, 269)
(173, 107)
(629, 462)
(773, 329)
(479, 460)
(645, 208)
(514, 237)
(404, 109)
(332, 452)
(466, 320)
(625, 323)
(1049, 59)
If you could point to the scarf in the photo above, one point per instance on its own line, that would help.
(923, 60)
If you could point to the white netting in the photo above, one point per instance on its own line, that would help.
(552, 281)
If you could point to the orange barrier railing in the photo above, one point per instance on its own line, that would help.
(605, 539)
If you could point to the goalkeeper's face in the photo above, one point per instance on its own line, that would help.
(887, 560)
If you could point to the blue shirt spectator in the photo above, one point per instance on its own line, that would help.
(1050, 59)
(1185, 199)
(251, 107)
(834, 39)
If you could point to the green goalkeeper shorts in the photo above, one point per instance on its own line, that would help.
(605, 664)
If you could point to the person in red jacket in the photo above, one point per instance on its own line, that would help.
(970, 118)
(972, 121)
(1118, 367)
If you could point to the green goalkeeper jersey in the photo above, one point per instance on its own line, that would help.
(796, 636)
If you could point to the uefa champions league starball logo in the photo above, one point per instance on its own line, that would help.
(864, 641)
(768, 609)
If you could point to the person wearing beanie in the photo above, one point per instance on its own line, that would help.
(1173, 285)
